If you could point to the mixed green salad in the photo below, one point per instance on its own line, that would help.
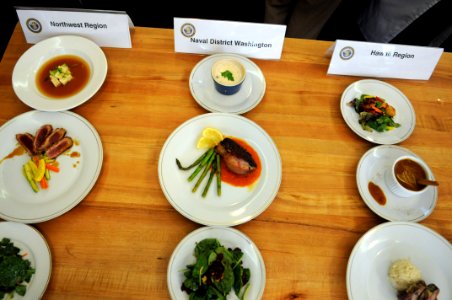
(374, 113)
(15, 271)
(216, 272)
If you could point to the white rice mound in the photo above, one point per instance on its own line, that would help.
(403, 273)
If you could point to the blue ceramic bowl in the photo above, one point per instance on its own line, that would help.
(228, 75)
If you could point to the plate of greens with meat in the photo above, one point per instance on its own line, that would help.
(377, 111)
(216, 263)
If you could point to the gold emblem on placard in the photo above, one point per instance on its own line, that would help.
(188, 30)
(346, 53)
(33, 25)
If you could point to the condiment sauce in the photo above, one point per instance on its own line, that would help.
(16, 152)
(242, 180)
(411, 172)
(80, 72)
(377, 193)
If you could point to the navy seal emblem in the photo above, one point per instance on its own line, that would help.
(188, 30)
(33, 25)
(346, 53)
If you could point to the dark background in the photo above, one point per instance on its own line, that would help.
(160, 14)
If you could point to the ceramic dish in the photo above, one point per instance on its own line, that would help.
(78, 172)
(372, 167)
(230, 238)
(33, 244)
(405, 115)
(236, 205)
(369, 262)
(24, 73)
(203, 89)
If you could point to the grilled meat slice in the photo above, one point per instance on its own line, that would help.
(62, 145)
(26, 141)
(52, 138)
(236, 158)
(430, 292)
(419, 291)
(41, 135)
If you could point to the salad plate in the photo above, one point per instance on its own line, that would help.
(203, 90)
(372, 168)
(236, 205)
(369, 262)
(405, 115)
(33, 247)
(79, 168)
(26, 69)
(183, 255)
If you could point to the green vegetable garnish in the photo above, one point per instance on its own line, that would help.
(216, 272)
(15, 271)
(227, 74)
(374, 113)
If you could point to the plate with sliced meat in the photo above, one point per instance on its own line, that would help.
(243, 196)
(49, 162)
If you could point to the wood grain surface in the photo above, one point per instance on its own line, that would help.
(117, 242)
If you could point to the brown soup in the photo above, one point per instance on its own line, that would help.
(408, 172)
(79, 69)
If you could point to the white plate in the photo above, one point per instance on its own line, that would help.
(405, 115)
(30, 241)
(203, 90)
(25, 70)
(372, 167)
(67, 188)
(236, 204)
(183, 255)
(376, 250)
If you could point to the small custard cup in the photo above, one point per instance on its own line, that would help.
(228, 75)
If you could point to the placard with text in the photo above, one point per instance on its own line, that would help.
(248, 39)
(105, 28)
(383, 60)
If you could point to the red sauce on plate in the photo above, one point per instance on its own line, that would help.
(377, 193)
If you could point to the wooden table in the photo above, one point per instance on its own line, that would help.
(117, 242)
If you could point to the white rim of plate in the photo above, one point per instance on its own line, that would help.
(241, 211)
(29, 239)
(93, 170)
(399, 100)
(365, 244)
(254, 76)
(224, 235)
(23, 77)
(394, 202)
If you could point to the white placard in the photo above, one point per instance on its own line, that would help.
(105, 28)
(383, 60)
(248, 39)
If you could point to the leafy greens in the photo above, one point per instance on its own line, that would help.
(374, 113)
(216, 272)
(15, 271)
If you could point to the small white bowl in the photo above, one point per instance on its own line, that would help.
(394, 184)
(228, 75)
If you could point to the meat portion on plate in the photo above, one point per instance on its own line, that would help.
(236, 158)
(46, 141)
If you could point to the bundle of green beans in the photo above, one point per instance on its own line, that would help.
(208, 161)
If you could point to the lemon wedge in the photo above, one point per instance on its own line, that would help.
(210, 138)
